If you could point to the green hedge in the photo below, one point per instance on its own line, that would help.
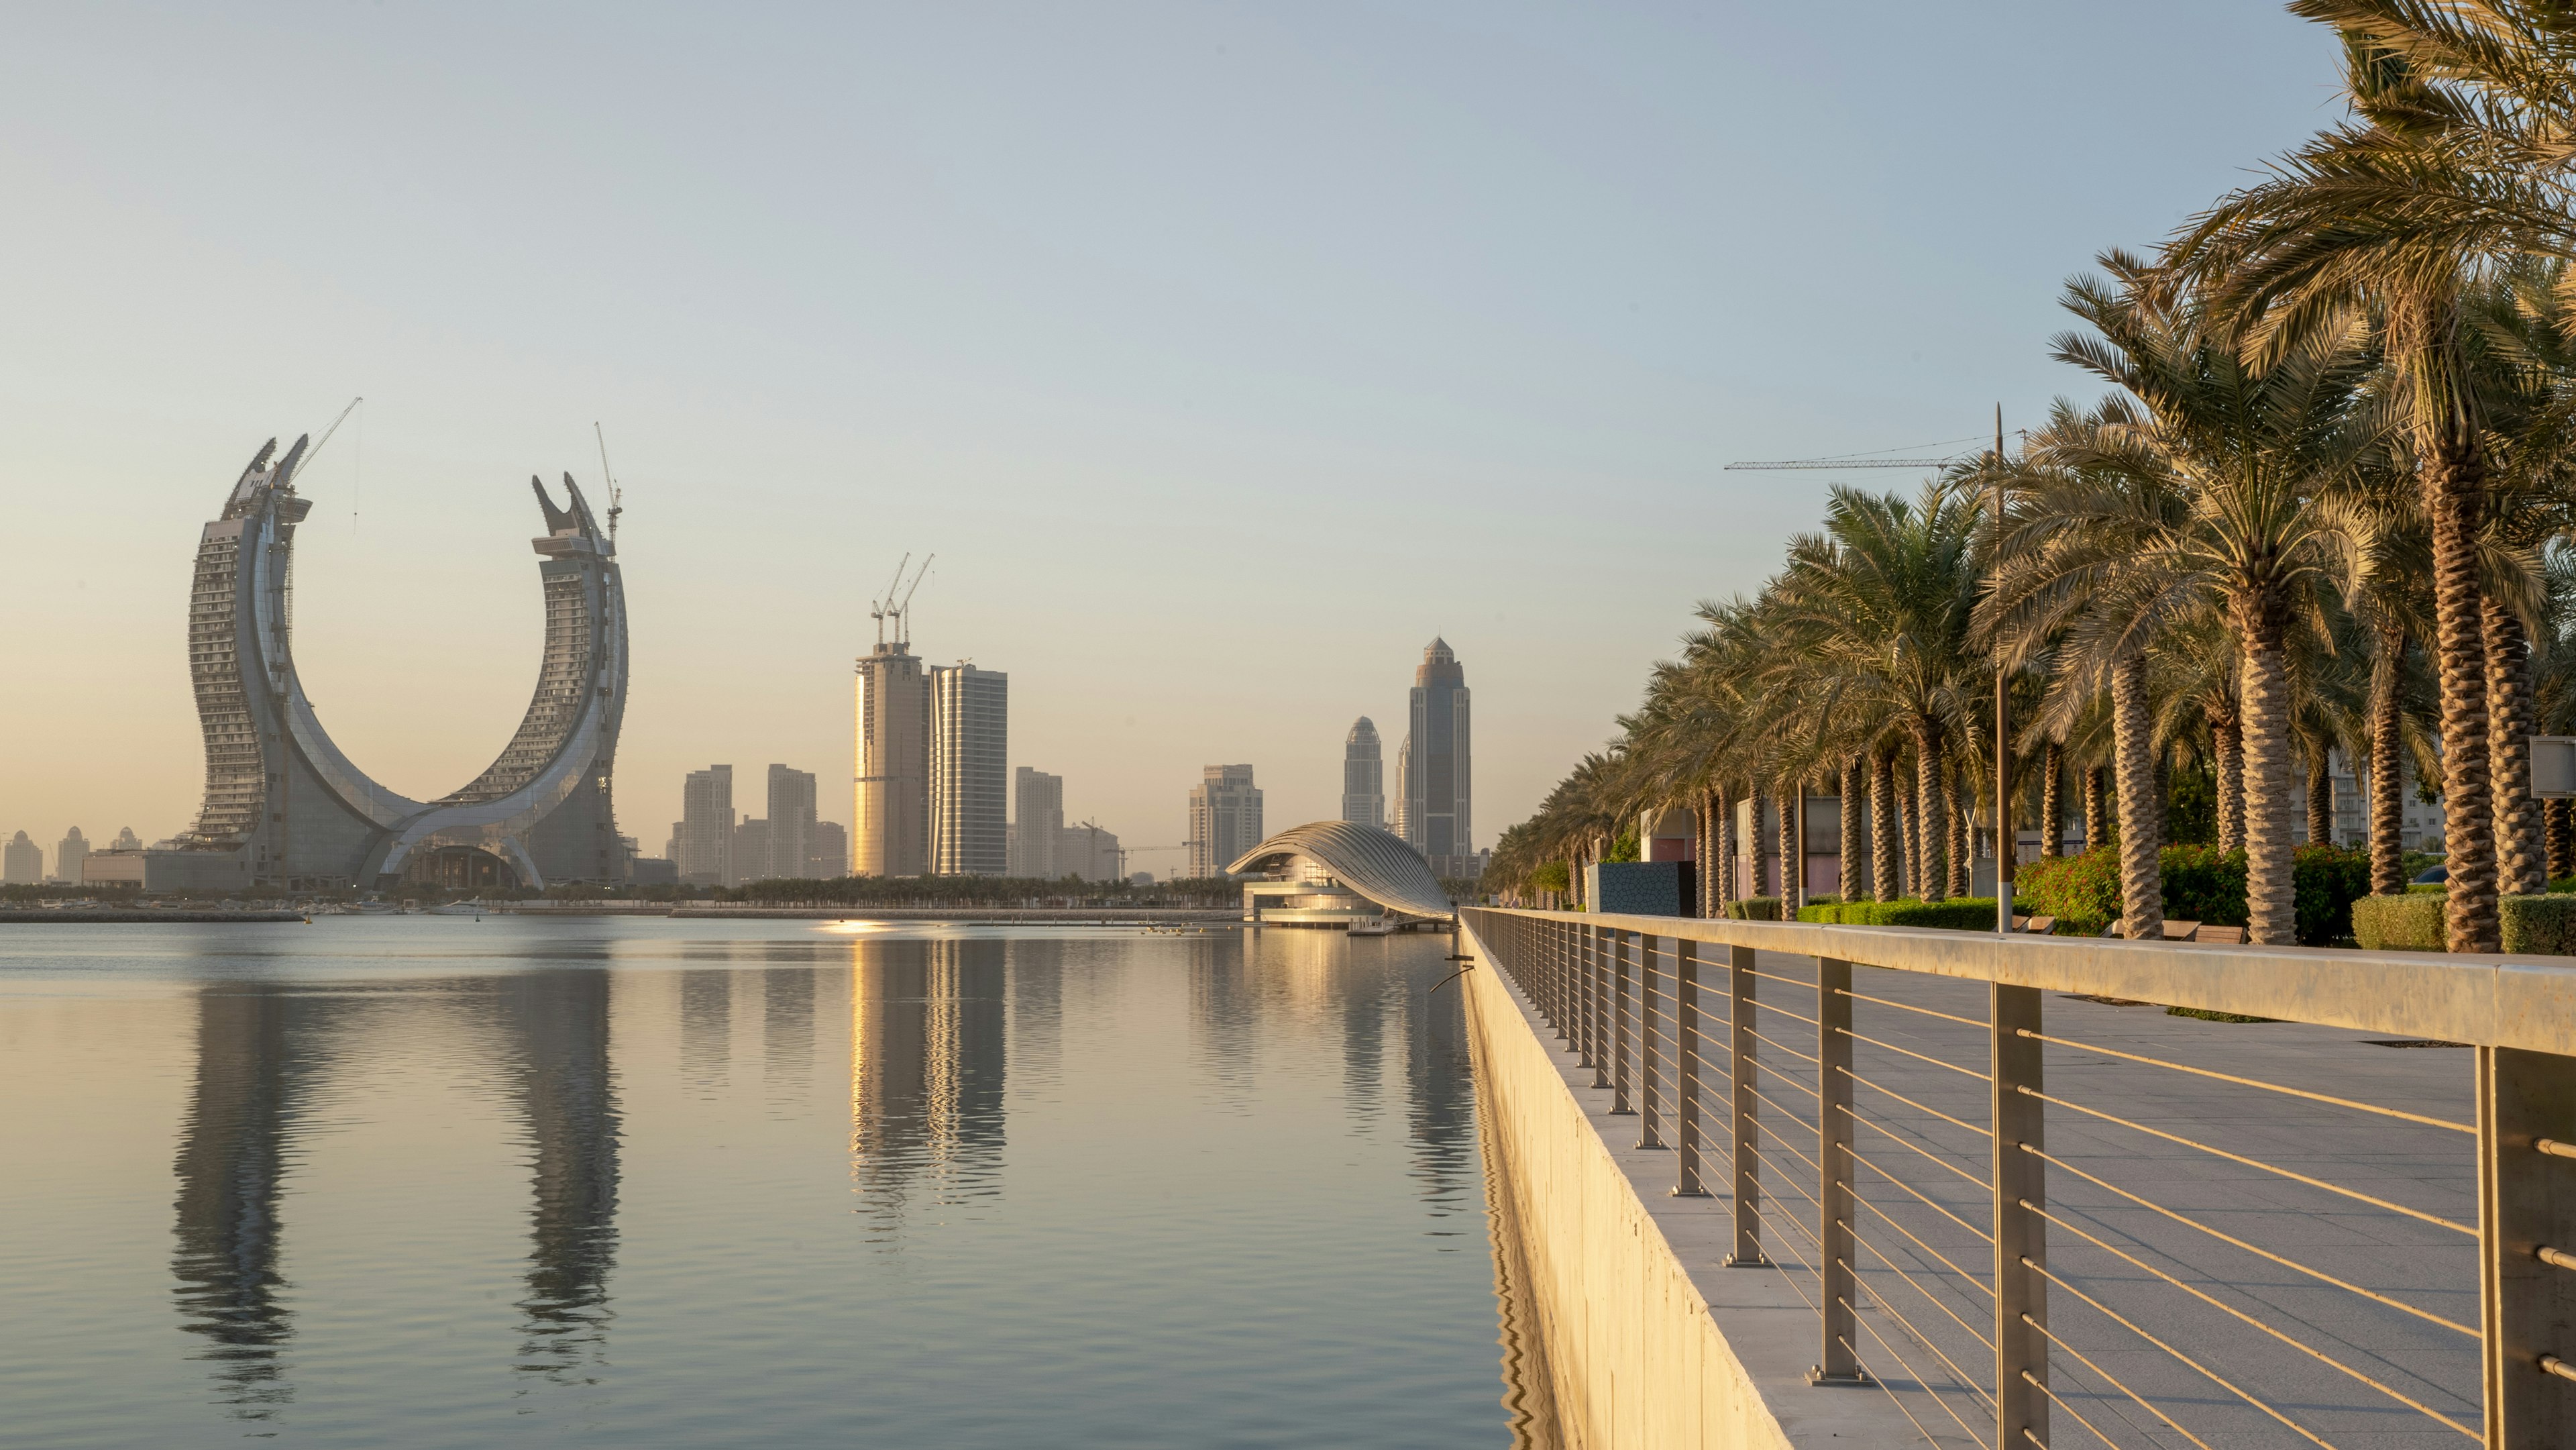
(2200, 884)
(2533, 925)
(1959, 913)
(2408, 923)
(2543, 926)
(1754, 908)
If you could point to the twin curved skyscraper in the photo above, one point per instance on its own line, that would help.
(294, 809)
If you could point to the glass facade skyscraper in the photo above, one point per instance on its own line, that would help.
(1438, 773)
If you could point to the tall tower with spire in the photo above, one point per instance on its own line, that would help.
(1437, 773)
(1363, 777)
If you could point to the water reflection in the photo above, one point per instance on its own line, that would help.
(556, 1025)
(787, 1032)
(261, 1051)
(255, 1070)
(927, 1051)
(706, 1028)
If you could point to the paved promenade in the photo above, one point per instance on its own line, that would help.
(2265, 1329)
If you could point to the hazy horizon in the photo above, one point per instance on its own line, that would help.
(1223, 357)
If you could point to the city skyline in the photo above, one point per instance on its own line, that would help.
(1073, 369)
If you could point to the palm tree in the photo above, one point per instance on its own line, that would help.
(2240, 467)
(1881, 602)
(2454, 162)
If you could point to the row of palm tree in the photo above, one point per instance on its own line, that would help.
(2326, 505)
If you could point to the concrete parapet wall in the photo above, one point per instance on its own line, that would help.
(1648, 1342)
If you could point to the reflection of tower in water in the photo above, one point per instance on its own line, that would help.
(1440, 1090)
(253, 1075)
(556, 1025)
(927, 1027)
(260, 1050)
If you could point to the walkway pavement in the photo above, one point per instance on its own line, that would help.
(2264, 1333)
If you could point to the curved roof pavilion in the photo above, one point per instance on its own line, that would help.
(1369, 861)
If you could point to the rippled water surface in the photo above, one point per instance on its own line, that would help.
(430, 1181)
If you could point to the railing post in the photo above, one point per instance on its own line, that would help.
(1740, 1063)
(1686, 1066)
(1598, 1003)
(1578, 960)
(2021, 1235)
(1840, 1363)
(2527, 1207)
(1619, 1081)
(1650, 1061)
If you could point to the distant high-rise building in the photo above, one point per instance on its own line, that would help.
(1403, 823)
(68, 856)
(1037, 820)
(22, 861)
(791, 822)
(1363, 777)
(827, 853)
(1086, 853)
(705, 851)
(126, 840)
(1435, 764)
(970, 808)
(1225, 818)
(890, 824)
(750, 851)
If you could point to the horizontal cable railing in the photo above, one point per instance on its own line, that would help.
(2031, 1209)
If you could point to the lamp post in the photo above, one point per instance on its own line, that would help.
(2007, 843)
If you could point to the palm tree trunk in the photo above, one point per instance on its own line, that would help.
(1725, 863)
(1913, 812)
(2227, 742)
(1962, 810)
(2521, 870)
(1793, 848)
(1854, 844)
(2052, 800)
(2560, 816)
(1759, 883)
(2097, 809)
(2455, 496)
(2387, 770)
(2142, 886)
(1932, 808)
(2320, 801)
(2263, 685)
(1886, 861)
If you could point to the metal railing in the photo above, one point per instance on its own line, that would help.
(2092, 1222)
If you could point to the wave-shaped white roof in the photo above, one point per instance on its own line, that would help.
(1369, 861)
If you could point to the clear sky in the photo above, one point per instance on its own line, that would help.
(1224, 353)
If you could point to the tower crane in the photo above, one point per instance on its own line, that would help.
(616, 495)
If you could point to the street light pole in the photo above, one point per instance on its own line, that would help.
(2007, 842)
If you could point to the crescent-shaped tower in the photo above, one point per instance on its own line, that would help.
(292, 807)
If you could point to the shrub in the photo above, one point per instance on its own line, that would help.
(1754, 908)
(2540, 925)
(2200, 884)
(2408, 923)
(2204, 884)
(2082, 892)
(2414, 922)
(2328, 880)
(1959, 913)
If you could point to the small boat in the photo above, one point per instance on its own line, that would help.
(1374, 926)
(473, 909)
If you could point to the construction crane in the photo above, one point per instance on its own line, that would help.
(889, 607)
(616, 495)
(1863, 460)
(311, 453)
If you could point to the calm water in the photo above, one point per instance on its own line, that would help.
(426, 1181)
